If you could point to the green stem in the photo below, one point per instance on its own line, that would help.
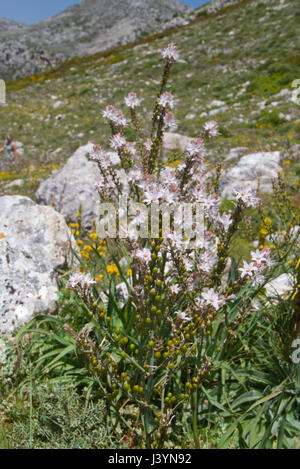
(195, 419)
(30, 414)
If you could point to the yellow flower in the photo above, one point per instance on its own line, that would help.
(99, 278)
(85, 255)
(93, 236)
(129, 273)
(112, 269)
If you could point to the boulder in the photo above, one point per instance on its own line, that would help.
(34, 242)
(235, 153)
(173, 141)
(280, 286)
(73, 186)
(262, 166)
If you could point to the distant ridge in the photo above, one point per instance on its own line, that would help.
(7, 24)
(86, 28)
(216, 5)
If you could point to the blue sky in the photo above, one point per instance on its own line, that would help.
(31, 11)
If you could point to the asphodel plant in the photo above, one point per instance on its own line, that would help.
(155, 351)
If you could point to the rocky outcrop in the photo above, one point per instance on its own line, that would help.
(252, 170)
(173, 141)
(17, 58)
(89, 27)
(34, 242)
(72, 187)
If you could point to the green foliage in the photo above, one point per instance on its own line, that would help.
(60, 419)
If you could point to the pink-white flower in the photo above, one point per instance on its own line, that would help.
(153, 196)
(225, 220)
(166, 100)
(115, 116)
(259, 256)
(248, 270)
(175, 240)
(211, 298)
(127, 232)
(106, 160)
(143, 254)
(169, 120)
(211, 128)
(181, 166)
(247, 195)
(175, 289)
(206, 262)
(183, 316)
(74, 281)
(130, 148)
(170, 53)
(100, 184)
(188, 265)
(132, 101)
(117, 141)
(87, 281)
(109, 112)
(97, 153)
(135, 175)
(148, 144)
(196, 147)
(258, 279)
(210, 204)
(79, 280)
(168, 177)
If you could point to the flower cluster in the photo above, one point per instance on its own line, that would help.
(260, 260)
(170, 53)
(80, 281)
(247, 196)
(114, 116)
(132, 101)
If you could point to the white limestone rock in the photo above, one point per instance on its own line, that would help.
(34, 242)
(262, 166)
(73, 186)
(173, 141)
(280, 286)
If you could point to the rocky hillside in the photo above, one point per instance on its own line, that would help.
(238, 66)
(86, 28)
(216, 5)
(6, 24)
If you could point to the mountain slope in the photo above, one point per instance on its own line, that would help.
(216, 5)
(236, 67)
(95, 25)
(7, 24)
